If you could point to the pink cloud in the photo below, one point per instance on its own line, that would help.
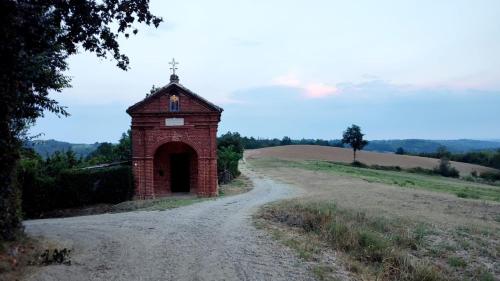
(310, 90)
(319, 90)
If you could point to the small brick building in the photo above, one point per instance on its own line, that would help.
(174, 145)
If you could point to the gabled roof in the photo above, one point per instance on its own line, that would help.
(175, 84)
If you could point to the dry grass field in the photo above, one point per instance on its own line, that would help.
(344, 155)
(382, 225)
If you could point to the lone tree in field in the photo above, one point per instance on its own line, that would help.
(353, 137)
(36, 39)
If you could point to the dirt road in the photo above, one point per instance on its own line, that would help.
(212, 240)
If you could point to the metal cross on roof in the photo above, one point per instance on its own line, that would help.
(173, 63)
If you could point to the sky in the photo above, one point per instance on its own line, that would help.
(304, 69)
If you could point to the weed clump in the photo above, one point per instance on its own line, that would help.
(380, 244)
(53, 256)
(456, 262)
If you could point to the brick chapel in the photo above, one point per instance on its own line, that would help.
(174, 145)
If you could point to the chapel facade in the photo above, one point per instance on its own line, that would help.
(174, 143)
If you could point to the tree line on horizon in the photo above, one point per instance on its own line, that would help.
(488, 158)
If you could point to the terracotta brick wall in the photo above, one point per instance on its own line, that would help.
(149, 134)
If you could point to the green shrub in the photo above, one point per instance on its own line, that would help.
(400, 151)
(420, 170)
(490, 176)
(340, 235)
(359, 164)
(445, 169)
(467, 194)
(373, 245)
(90, 186)
(229, 152)
(456, 262)
(74, 188)
(386, 168)
(227, 164)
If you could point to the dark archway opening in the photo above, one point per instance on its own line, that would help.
(180, 172)
(175, 169)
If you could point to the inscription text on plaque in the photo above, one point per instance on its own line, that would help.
(174, 122)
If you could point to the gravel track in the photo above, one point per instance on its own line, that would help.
(211, 240)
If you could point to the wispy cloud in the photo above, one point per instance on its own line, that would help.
(310, 89)
(320, 90)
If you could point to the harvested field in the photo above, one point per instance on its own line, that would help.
(344, 155)
(395, 227)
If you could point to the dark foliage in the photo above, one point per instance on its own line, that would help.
(232, 140)
(286, 141)
(445, 169)
(107, 152)
(229, 152)
(227, 164)
(359, 164)
(353, 137)
(490, 176)
(74, 188)
(420, 170)
(253, 143)
(62, 181)
(415, 146)
(55, 256)
(82, 187)
(484, 158)
(36, 38)
(386, 168)
(400, 151)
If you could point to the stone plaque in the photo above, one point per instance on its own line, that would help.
(174, 122)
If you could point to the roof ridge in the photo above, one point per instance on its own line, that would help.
(173, 83)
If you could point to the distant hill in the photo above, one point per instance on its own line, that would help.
(48, 147)
(419, 145)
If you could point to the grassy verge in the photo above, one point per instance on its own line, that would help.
(378, 248)
(159, 204)
(460, 188)
(239, 185)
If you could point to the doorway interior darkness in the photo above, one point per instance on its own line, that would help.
(179, 172)
(175, 169)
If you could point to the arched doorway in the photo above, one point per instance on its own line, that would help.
(175, 169)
